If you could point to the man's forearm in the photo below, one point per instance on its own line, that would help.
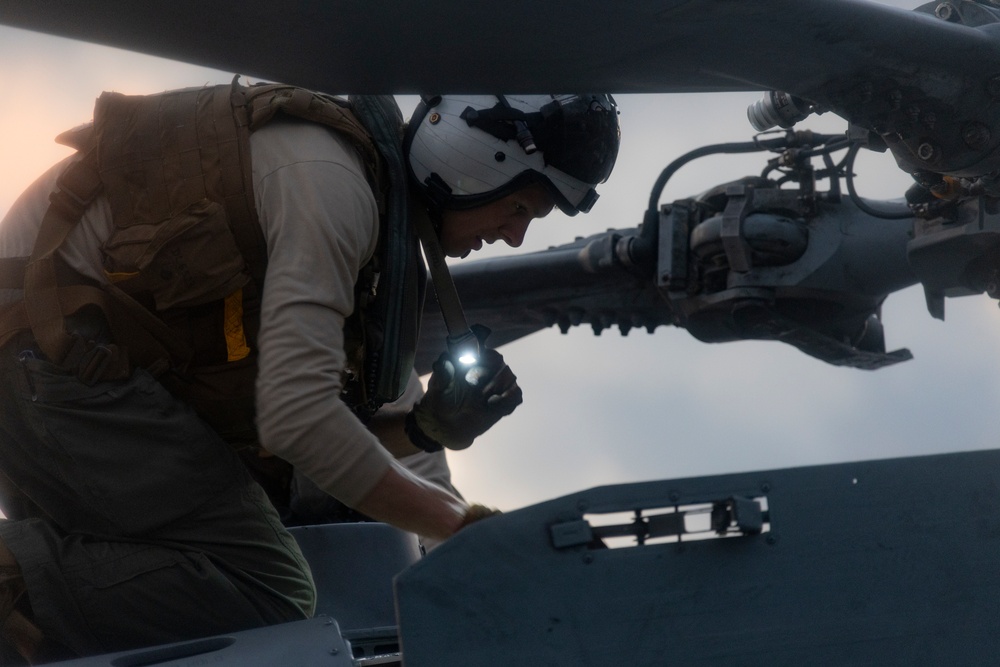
(410, 503)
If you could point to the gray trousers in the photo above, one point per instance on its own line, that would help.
(133, 522)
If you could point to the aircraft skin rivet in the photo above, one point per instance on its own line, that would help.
(435, 118)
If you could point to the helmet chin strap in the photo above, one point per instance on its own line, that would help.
(436, 194)
(461, 339)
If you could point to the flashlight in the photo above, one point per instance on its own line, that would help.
(465, 350)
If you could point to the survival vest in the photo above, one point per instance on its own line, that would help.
(186, 260)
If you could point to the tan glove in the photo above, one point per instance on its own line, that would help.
(477, 512)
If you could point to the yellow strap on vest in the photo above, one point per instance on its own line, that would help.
(236, 339)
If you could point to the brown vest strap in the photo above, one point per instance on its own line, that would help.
(242, 210)
(78, 186)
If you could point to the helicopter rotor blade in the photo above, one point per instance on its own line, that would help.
(360, 46)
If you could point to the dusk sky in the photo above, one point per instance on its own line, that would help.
(611, 409)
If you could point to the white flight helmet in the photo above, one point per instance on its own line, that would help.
(469, 150)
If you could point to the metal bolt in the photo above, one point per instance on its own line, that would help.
(765, 488)
(674, 496)
(334, 651)
(927, 151)
(771, 539)
(975, 135)
(435, 118)
(588, 559)
(946, 12)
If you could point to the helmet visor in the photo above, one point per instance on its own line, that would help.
(579, 135)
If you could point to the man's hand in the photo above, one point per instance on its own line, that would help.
(462, 404)
(416, 505)
(477, 512)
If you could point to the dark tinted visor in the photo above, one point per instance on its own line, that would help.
(579, 135)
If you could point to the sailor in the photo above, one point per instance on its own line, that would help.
(221, 286)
